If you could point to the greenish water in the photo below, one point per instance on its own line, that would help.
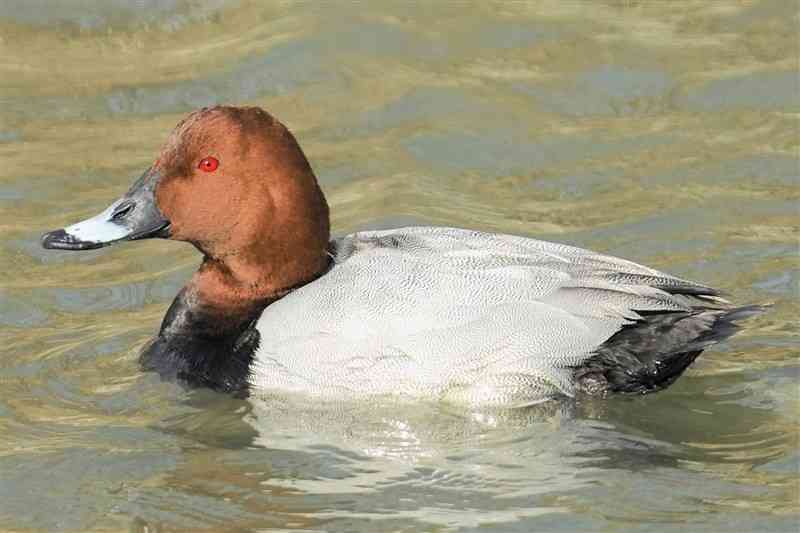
(663, 132)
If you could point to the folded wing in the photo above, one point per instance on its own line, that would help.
(458, 314)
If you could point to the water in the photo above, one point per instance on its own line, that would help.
(664, 132)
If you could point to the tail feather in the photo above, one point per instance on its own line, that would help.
(652, 353)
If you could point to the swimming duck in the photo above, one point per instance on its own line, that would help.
(420, 312)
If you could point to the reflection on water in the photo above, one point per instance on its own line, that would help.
(662, 132)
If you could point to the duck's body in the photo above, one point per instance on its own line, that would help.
(435, 313)
(461, 315)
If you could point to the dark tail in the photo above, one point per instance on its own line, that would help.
(652, 353)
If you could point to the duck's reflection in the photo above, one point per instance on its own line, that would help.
(314, 463)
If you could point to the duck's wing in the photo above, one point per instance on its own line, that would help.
(457, 314)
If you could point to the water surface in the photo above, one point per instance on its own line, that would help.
(663, 132)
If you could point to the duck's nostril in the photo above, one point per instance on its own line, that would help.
(122, 210)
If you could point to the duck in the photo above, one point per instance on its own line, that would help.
(416, 313)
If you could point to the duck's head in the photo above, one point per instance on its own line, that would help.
(233, 182)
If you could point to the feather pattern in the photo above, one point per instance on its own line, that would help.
(459, 315)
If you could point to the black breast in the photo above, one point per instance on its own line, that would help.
(201, 349)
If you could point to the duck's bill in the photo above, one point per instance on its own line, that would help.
(132, 217)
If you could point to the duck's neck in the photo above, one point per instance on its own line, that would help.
(208, 337)
(237, 284)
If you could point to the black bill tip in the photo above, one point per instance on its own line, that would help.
(61, 240)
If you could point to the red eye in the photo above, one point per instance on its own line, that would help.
(208, 164)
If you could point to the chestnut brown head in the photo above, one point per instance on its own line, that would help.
(232, 181)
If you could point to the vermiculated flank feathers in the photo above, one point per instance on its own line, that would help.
(485, 319)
